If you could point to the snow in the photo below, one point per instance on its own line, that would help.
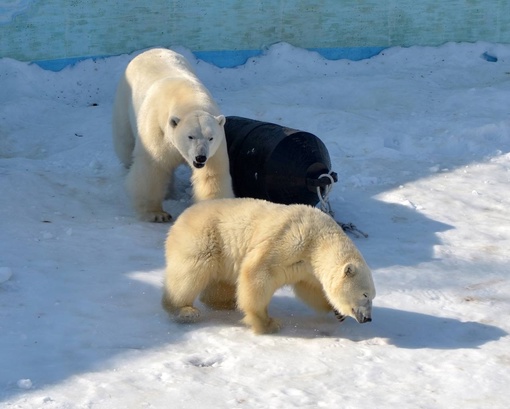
(420, 139)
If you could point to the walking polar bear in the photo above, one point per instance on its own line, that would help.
(164, 116)
(238, 252)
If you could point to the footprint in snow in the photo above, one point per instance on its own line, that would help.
(205, 362)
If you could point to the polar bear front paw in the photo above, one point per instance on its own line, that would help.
(157, 217)
(187, 315)
(273, 325)
(262, 325)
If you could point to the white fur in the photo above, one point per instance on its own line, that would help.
(240, 251)
(164, 116)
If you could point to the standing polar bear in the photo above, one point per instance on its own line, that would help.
(238, 252)
(164, 116)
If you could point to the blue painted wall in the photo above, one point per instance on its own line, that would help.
(228, 31)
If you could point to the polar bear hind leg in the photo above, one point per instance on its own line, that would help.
(179, 303)
(220, 296)
(123, 137)
(186, 278)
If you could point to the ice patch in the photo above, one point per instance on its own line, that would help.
(24, 384)
(5, 274)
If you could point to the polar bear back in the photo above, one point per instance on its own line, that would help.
(156, 64)
(235, 227)
(156, 69)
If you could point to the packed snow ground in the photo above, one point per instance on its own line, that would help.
(420, 139)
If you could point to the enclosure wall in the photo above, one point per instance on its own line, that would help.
(226, 32)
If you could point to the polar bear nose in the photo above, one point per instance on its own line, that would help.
(200, 158)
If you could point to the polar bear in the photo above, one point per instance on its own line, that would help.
(238, 252)
(163, 116)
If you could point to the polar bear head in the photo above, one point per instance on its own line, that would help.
(197, 136)
(351, 291)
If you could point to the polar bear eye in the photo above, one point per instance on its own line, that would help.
(210, 139)
(365, 295)
(190, 137)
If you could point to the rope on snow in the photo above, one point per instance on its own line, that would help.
(325, 206)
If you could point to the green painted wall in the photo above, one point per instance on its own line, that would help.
(62, 29)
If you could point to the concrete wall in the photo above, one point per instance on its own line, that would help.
(227, 31)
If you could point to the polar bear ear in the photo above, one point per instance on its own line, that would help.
(221, 119)
(174, 121)
(349, 270)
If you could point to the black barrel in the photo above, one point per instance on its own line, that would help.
(275, 163)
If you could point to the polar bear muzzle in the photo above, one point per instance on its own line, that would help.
(362, 316)
(199, 161)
